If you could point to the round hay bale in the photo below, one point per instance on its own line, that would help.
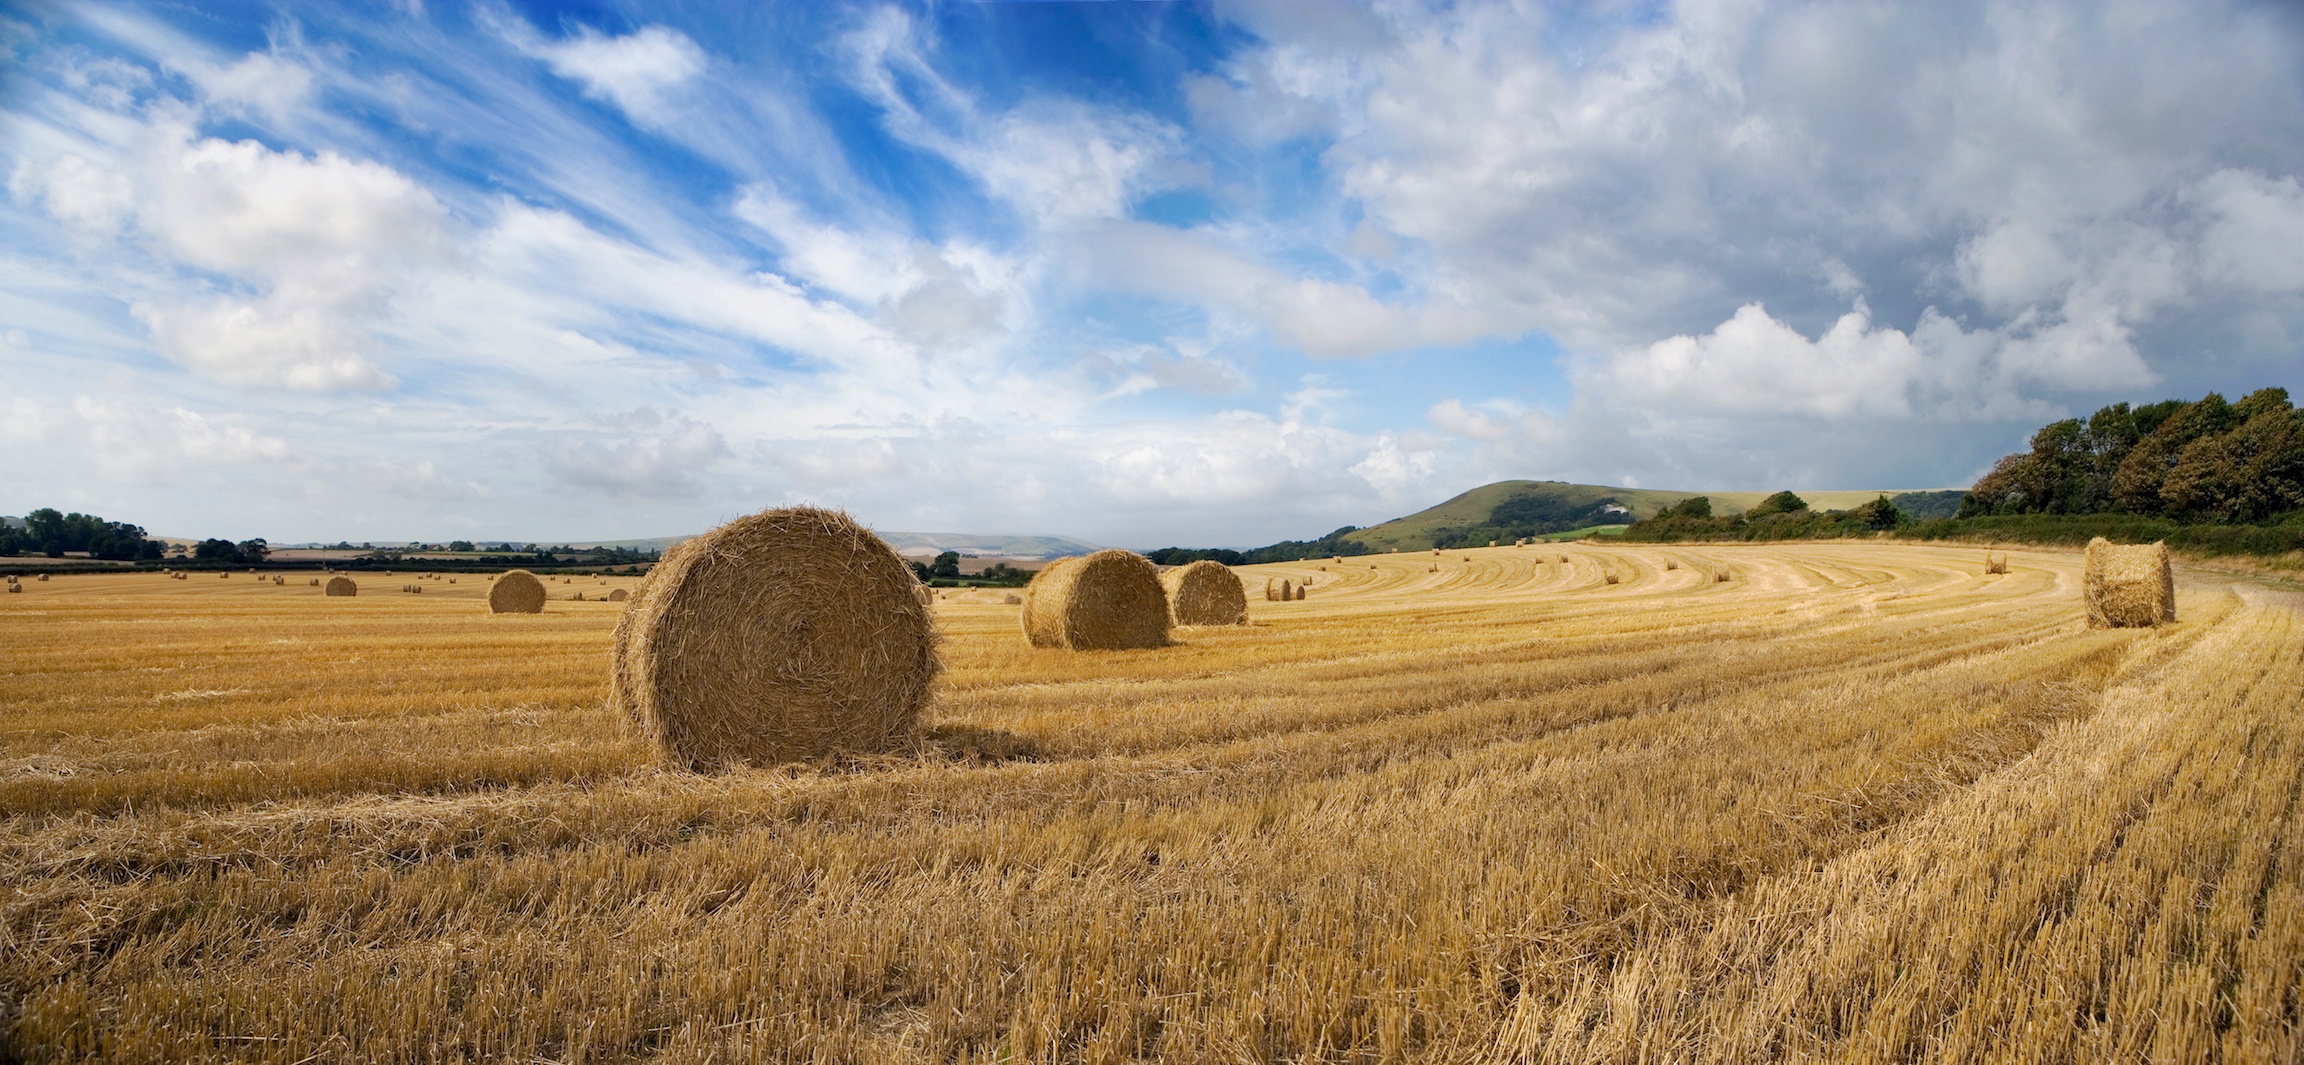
(618, 595)
(517, 592)
(2127, 586)
(925, 594)
(1610, 577)
(1108, 601)
(1302, 588)
(1671, 565)
(341, 586)
(315, 582)
(1206, 593)
(14, 587)
(1011, 599)
(781, 636)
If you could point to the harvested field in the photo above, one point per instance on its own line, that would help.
(1860, 802)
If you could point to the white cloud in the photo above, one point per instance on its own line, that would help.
(131, 441)
(1056, 161)
(639, 72)
(2255, 242)
(658, 456)
(325, 241)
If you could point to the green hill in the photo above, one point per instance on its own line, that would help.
(1509, 509)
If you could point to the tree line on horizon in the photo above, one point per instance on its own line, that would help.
(2209, 461)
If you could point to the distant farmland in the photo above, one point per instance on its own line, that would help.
(1852, 802)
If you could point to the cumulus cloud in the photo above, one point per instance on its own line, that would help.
(324, 239)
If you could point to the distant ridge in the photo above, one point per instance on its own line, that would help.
(1581, 505)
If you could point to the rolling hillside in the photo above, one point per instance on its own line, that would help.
(1561, 501)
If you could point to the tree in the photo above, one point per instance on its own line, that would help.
(1879, 514)
(460, 545)
(1691, 507)
(1780, 503)
(946, 565)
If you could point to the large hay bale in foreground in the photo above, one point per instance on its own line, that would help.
(1205, 593)
(516, 592)
(782, 636)
(341, 586)
(1108, 601)
(2128, 586)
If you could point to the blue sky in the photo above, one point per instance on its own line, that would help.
(1143, 273)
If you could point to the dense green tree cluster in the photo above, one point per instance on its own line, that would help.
(1783, 516)
(2210, 461)
(49, 532)
(1525, 516)
(214, 550)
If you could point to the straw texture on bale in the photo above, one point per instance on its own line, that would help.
(618, 595)
(2128, 586)
(341, 586)
(517, 592)
(783, 636)
(1108, 601)
(1205, 593)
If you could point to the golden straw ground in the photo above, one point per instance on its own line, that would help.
(1860, 802)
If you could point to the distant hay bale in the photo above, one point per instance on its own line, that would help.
(1303, 588)
(1205, 593)
(1435, 569)
(1287, 590)
(786, 635)
(1011, 599)
(1323, 569)
(1335, 558)
(1995, 564)
(341, 586)
(924, 594)
(517, 592)
(1670, 564)
(315, 582)
(1563, 558)
(277, 579)
(1271, 591)
(1491, 543)
(1610, 576)
(2128, 586)
(1435, 551)
(1109, 601)
(1722, 576)
(618, 595)
(15, 587)
(220, 576)
(578, 597)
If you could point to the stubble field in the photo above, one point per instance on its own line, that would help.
(1859, 802)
